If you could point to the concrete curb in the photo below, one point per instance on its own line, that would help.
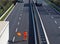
(9, 13)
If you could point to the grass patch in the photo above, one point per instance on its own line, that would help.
(1, 12)
(6, 14)
(4, 7)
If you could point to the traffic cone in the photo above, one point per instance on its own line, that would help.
(18, 34)
(25, 35)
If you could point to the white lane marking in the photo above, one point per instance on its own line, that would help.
(13, 39)
(19, 18)
(43, 27)
(16, 29)
(20, 14)
(18, 23)
(59, 27)
(52, 17)
(55, 22)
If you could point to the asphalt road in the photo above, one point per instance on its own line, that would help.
(51, 22)
(18, 22)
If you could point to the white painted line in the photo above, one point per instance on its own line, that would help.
(20, 14)
(52, 17)
(13, 39)
(43, 27)
(18, 23)
(55, 22)
(16, 29)
(59, 27)
(19, 18)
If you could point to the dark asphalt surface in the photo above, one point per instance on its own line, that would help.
(19, 22)
(51, 22)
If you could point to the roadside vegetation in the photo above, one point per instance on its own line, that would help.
(5, 4)
(56, 2)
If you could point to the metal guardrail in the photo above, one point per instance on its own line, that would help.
(34, 25)
(39, 33)
(43, 39)
(37, 30)
(39, 38)
(36, 39)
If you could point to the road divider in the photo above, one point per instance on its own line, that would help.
(37, 27)
(42, 26)
(34, 25)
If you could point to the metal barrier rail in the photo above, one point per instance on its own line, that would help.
(43, 34)
(37, 31)
(39, 38)
(38, 26)
(34, 25)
